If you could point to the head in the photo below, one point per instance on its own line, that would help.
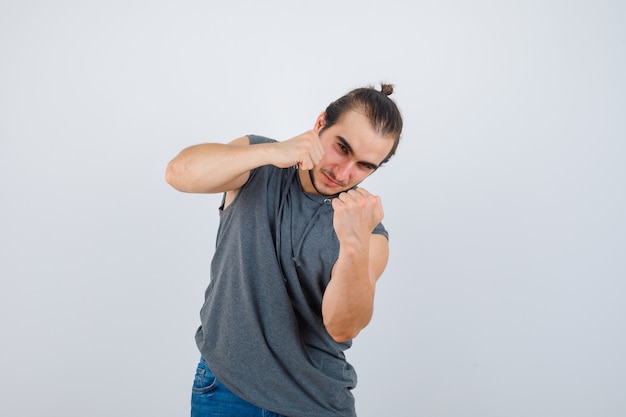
(382, 112)
(359, 132)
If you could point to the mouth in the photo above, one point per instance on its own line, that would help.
(330, 181)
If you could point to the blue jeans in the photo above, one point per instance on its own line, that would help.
(209, 398)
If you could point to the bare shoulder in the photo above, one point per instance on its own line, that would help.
(244, 140)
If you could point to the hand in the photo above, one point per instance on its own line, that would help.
(357, 213)
(304, 150)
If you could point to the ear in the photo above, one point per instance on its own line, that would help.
(320, 122)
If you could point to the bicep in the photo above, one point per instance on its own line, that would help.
(238, 182)
(233, 187)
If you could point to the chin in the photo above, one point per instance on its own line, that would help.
(318, 182)
(331, 191)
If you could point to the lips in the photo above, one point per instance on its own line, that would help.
(330, 181)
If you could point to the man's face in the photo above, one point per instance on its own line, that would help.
(352, 151)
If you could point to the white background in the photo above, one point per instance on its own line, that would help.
(505, 293)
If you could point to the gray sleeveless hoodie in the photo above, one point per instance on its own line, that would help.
(262, 333)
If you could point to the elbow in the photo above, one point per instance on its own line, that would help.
(345, 327)
(342, 333)
(169, 174)
(343, 337)
(173, 175)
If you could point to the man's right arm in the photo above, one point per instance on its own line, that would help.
(212, 167)
(216, 167)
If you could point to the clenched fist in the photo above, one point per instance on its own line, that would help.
(304, 150)
(357, 213)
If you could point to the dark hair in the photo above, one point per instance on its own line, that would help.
(381, 110)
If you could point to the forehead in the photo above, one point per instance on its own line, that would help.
(366, 143)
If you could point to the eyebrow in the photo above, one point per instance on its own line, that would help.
(351, 152)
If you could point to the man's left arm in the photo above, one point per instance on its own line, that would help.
(348, 301)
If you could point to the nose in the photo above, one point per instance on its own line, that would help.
(342, 171)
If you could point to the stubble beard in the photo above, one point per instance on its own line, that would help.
(318, 190)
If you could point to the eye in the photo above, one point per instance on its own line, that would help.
(342, 148)
(367, 167)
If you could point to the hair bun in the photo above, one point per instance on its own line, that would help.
(386, 89)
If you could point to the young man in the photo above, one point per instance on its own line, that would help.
(299, 250)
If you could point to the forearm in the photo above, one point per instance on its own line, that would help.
(215, 167)
(348, 301)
